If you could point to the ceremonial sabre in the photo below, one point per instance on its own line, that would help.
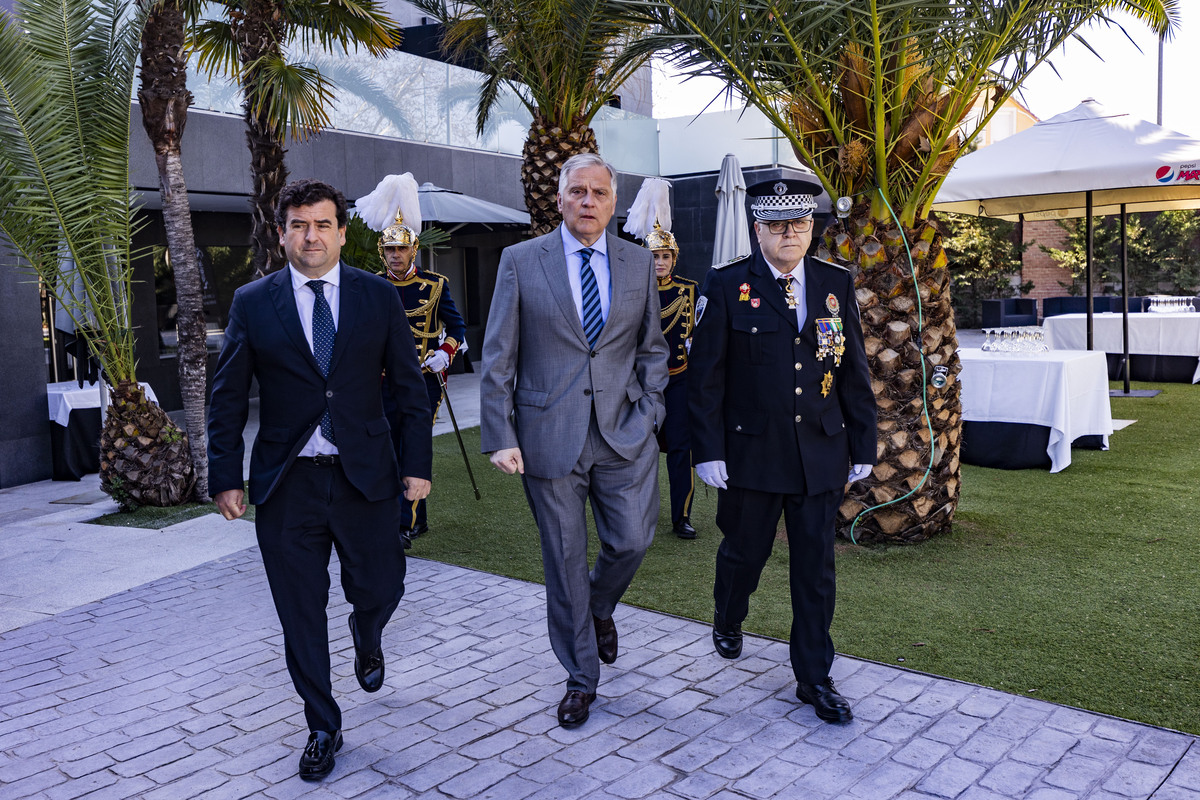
(454, 422)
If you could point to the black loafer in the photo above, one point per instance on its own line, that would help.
(317, 759)
(368, 667)
(418, 530)
(684, 530)
(574, 708)
(406, 538)
(606, 639)
(727, 638)
(825, 700)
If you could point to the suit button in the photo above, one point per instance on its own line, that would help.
(592, 354)
(329, 394)
(587, 392)
(799, 390)
(738, 428)
(797, 418)
(798, 365)
(754, 330)
(797, 342)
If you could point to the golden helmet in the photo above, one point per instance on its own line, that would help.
(660, 239)
(398, 235)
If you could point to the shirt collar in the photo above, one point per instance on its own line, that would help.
(573, 245)
(797, 272)
(334, 276)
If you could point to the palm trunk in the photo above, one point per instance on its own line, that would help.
(259, 32)
(896, 344)
(164, 100)
(546, 148)
(144, 457)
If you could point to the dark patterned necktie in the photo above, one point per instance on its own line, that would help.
(785, 283)
(593, 321)
(322, 335)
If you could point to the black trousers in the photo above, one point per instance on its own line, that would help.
(748, 520)
(314, 509)
(675, 439)
(412, 513)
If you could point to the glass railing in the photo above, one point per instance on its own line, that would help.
(421, 100)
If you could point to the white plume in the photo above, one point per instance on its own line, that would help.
(394, 192)
(653, 202)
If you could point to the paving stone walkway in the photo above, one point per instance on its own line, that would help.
(177, 689)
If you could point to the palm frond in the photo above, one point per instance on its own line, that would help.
(874, 94)
(66, 79)
(288, 94)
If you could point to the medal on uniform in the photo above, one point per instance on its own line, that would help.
(744, 289)
(826, 384)
(831, 303)
(830, 340)
(754, 302)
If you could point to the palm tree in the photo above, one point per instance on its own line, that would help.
(66, 76)
(248, 41)
(164, 99)
(564, 59)
(875, 96)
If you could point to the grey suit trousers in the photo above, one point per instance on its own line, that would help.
(624, 499)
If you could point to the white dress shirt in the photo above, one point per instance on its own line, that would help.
(797, 289)
(305, 299)
(599, 262)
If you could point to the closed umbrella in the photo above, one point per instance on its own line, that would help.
(732, 228)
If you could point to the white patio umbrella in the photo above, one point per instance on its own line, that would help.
(1088, 161)
(732, 228)
(455, 209)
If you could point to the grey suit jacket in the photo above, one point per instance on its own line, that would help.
(540, 377)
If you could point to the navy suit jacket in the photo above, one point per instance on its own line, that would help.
(264, 340)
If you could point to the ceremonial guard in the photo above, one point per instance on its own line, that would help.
(437, 327)
(649, 219)
(782, 417)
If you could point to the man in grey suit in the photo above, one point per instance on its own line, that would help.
(574, 368)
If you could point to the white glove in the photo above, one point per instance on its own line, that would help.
(713, 473)
(858, 472)
(437, 361)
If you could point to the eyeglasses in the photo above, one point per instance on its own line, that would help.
(797, 225)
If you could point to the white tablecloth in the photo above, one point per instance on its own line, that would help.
(1149, 334)
(66, 396)
(1064, 390)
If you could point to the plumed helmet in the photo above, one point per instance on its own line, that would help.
(660, 239)
(649, 218)
(394, 203)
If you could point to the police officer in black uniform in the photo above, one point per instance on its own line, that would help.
(782, 410)
(437, 327)
(678, 298)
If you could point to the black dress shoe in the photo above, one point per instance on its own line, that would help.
(418, 530)
(368, 667)
(684, 530)
(727, 638)
(573, 710)
(606, 639)
(825, 700)
(317, 759)
(406, 538)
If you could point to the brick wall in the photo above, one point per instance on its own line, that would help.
(1038, 266)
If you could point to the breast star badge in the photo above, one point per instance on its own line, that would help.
(826, 384)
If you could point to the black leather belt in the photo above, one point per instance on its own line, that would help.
(321, 460)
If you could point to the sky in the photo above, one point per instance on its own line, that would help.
(1125, 80)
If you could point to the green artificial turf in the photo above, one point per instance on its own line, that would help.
(1077, 587)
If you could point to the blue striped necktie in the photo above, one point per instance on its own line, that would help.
(593, 321)
(322, 336)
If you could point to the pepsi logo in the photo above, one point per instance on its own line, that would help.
(1164, 174)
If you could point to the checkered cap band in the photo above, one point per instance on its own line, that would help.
(782, 207)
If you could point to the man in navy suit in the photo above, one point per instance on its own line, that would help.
(323, 471)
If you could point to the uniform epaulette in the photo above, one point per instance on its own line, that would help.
(684, 281)
(725, 264)
(830, 264)
(433, 274)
